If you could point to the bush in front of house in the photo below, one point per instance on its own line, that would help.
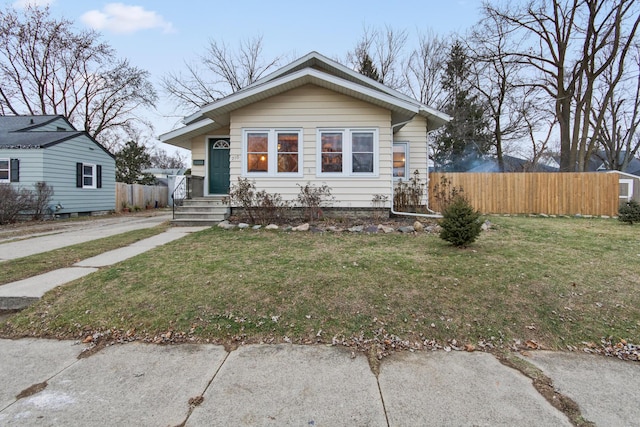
(408, 196)
(312, 199)
(16, 202)
(259, 206)
(42, 195)
(460, 222)
(629, 212)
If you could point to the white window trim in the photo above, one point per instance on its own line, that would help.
(347, 170)
(406, 160)
(8, 170)
(94, 177)
(272, 153)
(629, 194)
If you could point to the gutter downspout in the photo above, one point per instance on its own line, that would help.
(431, 215)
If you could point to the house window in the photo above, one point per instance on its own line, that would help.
(4, 170)
(272, 152)
(352, 152)
(331, 143)
(400, 163)
(626, 189)
(287, 152)
(88, 175)
(257, 152)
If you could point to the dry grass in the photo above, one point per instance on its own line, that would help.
(556, 281)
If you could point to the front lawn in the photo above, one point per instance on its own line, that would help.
(547, 282)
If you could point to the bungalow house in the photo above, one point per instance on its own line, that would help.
(49, 149)
(312, 121)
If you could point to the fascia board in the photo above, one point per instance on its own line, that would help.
(181, 132)
(304, 76)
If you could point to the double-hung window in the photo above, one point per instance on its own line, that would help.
(4, 170)
(88, 175)
(352, 152)
(272, 152)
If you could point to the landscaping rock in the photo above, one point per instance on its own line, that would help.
(486, 225)
(271, 227)
(417, 226)
(226, 225)
(356, 229)
(243, 225)
(317, 230)
(257, 227)
(434, 229)
(287, 228)
(335, 229)
(371, 229)
(302, 227)
(406, 229)
(386, 228)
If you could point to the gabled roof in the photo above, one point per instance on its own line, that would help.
(315, 69)
(24, 132)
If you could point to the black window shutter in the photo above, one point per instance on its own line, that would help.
(79, 175)
(15, 170)
(99, 176)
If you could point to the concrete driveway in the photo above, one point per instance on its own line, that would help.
(21, 241)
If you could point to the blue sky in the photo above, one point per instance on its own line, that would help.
(160, 36)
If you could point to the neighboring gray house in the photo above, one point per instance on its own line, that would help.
(50, 149)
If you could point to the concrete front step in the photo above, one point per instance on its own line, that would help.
(202, 211)
(207, 201)
(200, 215)
(200, 222)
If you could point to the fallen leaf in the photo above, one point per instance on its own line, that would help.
(531, 344)
(469, 347)
(88, 339)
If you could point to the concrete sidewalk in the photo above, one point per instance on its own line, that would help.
(289, 385)
(20, 294)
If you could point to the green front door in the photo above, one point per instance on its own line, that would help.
(219, 166)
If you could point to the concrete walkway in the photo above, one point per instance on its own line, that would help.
(44, 383)
(20, 294)
(74, 233)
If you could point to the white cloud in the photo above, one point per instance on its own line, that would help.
(125, 19)
(22, 4)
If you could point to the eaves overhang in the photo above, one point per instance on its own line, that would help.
(180, 136)
(220, 110)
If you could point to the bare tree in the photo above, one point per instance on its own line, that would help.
(498, 82)
(618, 136)
(422, 71)
(161, 159)
(384, 48)
(572, 43)
(46, 67)
(220, 72)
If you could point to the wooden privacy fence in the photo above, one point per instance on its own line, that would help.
(136, 195)
(551, 193)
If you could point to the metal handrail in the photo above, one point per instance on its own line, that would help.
(184, 187)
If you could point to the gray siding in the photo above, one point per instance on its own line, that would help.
(30, 165)
(60, 172)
